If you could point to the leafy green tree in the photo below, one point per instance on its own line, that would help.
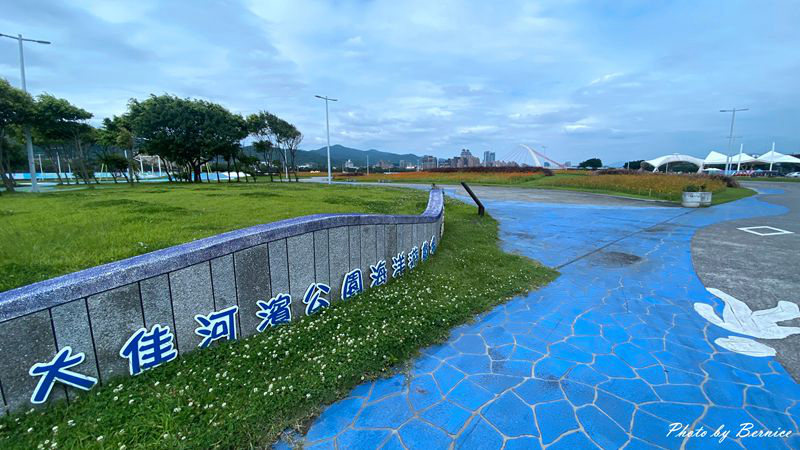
(58, 119)
(116, 132)
(16, 109)
(288, 140)
(591, 163)
(267, 139)
(186, 131)
(634, 165)
(250, 164)
(116, 164)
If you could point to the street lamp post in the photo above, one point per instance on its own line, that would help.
(28, 140)
(730, 136)
(328, 131)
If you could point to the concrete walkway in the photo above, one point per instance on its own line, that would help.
(612, 354)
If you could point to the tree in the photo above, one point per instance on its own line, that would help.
(16, 109)
(115, 163)
(267, 139)
(116, 132)
(188, 132)
(591, 163)
(634, 165)
(58, 119)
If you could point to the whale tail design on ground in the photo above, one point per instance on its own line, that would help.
(739, 318)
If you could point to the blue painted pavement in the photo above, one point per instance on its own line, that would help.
(609, 355)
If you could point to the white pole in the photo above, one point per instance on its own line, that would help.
(159, 166)
(739, 165)
(773, 153)
(58, 158)
(141, 165)
(328, 134)
(285, 165)
(28, 140)
(367, 164)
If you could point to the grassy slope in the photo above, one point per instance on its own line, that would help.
(56, 233)
(731, 194)
(242, 394)
(577, 181)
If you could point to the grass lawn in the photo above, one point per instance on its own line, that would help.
(645, 186)
(731, 194)
(243, 394)
(56, 233)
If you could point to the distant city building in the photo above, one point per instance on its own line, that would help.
(429, 162)
(349, 165)
(444, 163)
(385, 165)
(467, 160)
(488, 158)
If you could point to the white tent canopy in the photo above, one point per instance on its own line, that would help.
(774, 157)
(743, 158)
(674, 158)
(716, 158)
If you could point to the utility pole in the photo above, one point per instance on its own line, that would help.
(367, 164)
(733, 112)
(28, 140)
(328, 131)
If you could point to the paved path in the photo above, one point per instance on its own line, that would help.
(759, 270)
(608, 355)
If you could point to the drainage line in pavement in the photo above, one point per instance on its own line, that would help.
(623, 237)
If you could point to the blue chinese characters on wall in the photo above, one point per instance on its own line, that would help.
(377, 274)
(217, 325)
(425, 251)
(313, 297)
(145, 350)
(398, 264)
(274, 312)
(413, 257)
(57, 370)
(353, 284)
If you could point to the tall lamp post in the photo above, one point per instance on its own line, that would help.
(28, 141)
(730, 136)
(328, 130)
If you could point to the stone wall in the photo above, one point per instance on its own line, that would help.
(93, 325)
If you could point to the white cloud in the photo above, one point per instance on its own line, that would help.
(434, 76)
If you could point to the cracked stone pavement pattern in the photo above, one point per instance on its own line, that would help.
(607, 355)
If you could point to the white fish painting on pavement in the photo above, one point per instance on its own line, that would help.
(739, 318)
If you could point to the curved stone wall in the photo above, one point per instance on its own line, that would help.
(82, 329)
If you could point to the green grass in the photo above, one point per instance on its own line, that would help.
(731, 194)
(243, 394)
(641, 185)
(52, 234)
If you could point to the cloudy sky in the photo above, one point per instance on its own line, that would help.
(618, 79)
